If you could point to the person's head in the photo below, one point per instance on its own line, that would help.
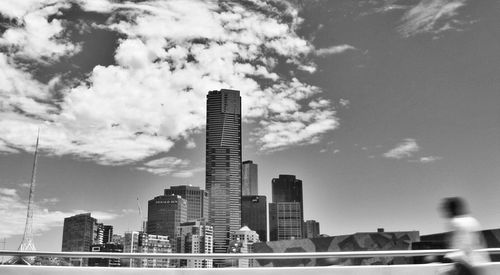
(453, 207)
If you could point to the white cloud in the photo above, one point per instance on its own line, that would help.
(404, 149)
(170, 166)
(334, 50)
(344, 102)
(13, 212)
(171, 54)
(429, 159)
(431, 16)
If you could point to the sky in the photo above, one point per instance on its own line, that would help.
(381, 108)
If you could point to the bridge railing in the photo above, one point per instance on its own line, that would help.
(292, 255)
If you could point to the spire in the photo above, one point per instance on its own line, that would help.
(27, 244)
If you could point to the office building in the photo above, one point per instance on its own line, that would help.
(254, 214)
(79, 233)
(223, 164)
(107, 234)
(141, 242)
(311, 229)
(195, 237)
(165, 214)
(249, 178)
(242, 241)
(108, 262)
(286, 212)
(197, 200)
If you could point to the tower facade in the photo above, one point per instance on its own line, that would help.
(197, 200)
(195, 237)
(165, 214)
(286, 213)
(223, 164)
(254, 214)
(311, 229)
(80, 232)
(249, 178)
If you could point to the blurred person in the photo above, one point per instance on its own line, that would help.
(464, 236)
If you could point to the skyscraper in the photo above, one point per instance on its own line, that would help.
(223, 164)
(197, 200)
(80, 232)
(165, 214)
(254, 214)
(311, 229)
(286, 213)
(249, 180)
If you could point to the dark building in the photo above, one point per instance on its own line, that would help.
(79, 233)
(286, 212)
(108, 247)
(254, 214)
(311, 229)
(107, 235)
(197, 200)
(165, 214)
(223, 164)
(249, 178)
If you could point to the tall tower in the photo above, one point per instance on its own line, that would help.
(286, 213)
(223, 165)
(27, 243)
(249, 181)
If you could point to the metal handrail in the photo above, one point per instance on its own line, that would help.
(294, 255)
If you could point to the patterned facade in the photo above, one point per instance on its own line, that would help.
(249, 178)
(195, 237)
(223, 164)
(197, 200)
(165, 214)
(369, 241)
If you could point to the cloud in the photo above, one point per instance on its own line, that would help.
(428, 159)
(334, 50)
(404, 149)
(344, 102)
(431, 16)
(13, 212)
(170, 166)
(169, 55)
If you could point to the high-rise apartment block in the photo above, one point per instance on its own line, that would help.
(249, 178)
(195, 237)
(197, 200)
(141, 242)
(254, 214)
(311, 229)
(223, 164)
(165, 214)
(286, 213)
(244, 238)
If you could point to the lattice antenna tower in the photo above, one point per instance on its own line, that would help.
(27, 244)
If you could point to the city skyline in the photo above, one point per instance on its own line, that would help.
(380, 108)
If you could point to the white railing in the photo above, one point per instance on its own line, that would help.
(301, 255)
(417, 269)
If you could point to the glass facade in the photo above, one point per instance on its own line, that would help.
(223, 164)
